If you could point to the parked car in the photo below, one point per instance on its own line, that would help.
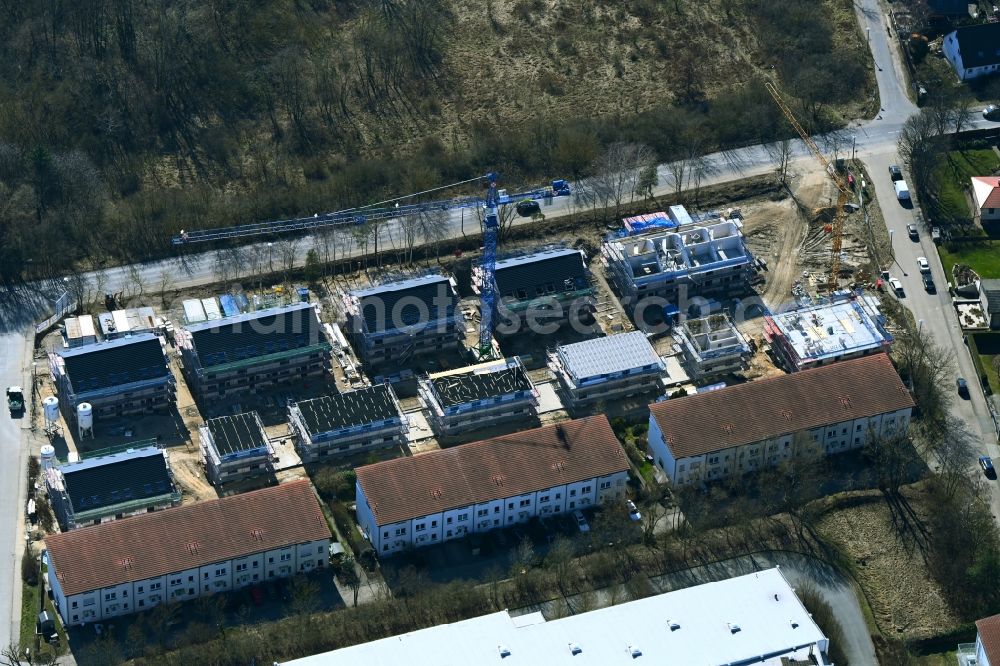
(528, 208)
(963, 387)
(992, 112)
(911, 230)
(987, 464)
(936, 234)
(928, 283)
(902, 190)
(581, 522)
(895, 172)
(633, 512)
(897, 287)
(924, 266)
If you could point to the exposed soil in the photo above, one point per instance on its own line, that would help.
(189, 474)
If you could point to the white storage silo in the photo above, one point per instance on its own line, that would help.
(85, 419)
(48, 456)
(51, 407)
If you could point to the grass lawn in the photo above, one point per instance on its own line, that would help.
(954, 171)
(984, 257)
(987, 345)
(29, 614)
(939, 659)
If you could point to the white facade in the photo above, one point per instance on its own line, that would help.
(458, 522)
(137, 596)
(952, 52)
(754, 456)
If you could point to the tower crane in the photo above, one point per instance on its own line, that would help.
(393, 209)
(844, 192)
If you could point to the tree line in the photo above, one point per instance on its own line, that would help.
(124, 121)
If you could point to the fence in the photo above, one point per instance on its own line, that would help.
(63, 306)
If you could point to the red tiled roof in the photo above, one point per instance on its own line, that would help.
(758, 410)
(989, 634)
(155, 544)
(491, 469)
(993, 198)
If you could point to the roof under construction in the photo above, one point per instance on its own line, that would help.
(411, 302)
(257, 334)
(829, 330)
(344, 410)
(103, 365)
(609, 355)
(237, 434)
(541, 273)
(480, 382)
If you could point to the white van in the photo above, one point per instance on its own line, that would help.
(902, 191)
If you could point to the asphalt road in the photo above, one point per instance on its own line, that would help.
(874, 141)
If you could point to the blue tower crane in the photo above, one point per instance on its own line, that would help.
(392, 209)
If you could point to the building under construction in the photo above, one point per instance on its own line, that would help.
(712, 346)
(609, 368)
(678, 258)
(127, 376)
(847, 326)
(347, 423)
(251, 352)
(478, 396)
(552, 284)
(235, 448)
(396, 321)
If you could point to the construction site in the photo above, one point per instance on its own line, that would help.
(263, 380)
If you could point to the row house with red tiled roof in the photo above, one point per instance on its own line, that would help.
(128, 566)
(491, 484)
(986, 192)
(747, 427)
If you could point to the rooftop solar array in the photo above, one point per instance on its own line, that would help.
(238, 433)
(345, 410)
(104, 365)
(456, 388)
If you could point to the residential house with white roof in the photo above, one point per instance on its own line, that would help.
(608, 368)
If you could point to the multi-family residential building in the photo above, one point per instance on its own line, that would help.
(747, 427)
(123, 377)
(986, 649)
(490, 484)
(111, 487)
(986, 195)
(973, 50)
(396, 321)
(751, 619)
(251, 352)
(190, 551)
(544, 289)
(478, 396)
(676, 264)
(822, 333)
(712, 346)
(235, 448)
(609, 368)
(347, 423)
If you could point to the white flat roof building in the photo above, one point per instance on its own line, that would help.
(616, 365)
(754, 618)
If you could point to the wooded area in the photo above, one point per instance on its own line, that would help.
(123, 121)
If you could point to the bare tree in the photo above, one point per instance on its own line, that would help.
(781, 153)
(166, 285)
(135, 285)
(351, 577)
(433, 228)
(617, 173)
(287, 248)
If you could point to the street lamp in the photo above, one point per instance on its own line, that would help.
(920, 325)
(270, 262)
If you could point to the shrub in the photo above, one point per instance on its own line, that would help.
(827, 620)
(29, 568)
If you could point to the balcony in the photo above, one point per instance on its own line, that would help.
(966, 654)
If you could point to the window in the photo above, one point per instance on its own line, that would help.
(220, 572)
(572, 493)
(155, 586)
(543, 498)
(419, 527)
(510, 505)
(525, 502)
(241, 567)
(558, 495)
(605, 485)
(139, 589)
(448, 520)
(110, 596)
(496, 509)
(462, 517)
(319, 550)
(480, 513)
(74, 604)
(285, 557)
(400, 531)
(434, 523)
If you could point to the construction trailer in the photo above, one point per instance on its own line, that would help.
(679, 262)
(397, 321)
(120, 323)
(712, 346)
(609, 368)
(122, 377)
(235, 448)
(478, 396)
(347, 423)
(552, 285)
(79, 331)
(253, 352)
(847, 325)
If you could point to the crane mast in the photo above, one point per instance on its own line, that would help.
(491, 228)
(837, 228)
